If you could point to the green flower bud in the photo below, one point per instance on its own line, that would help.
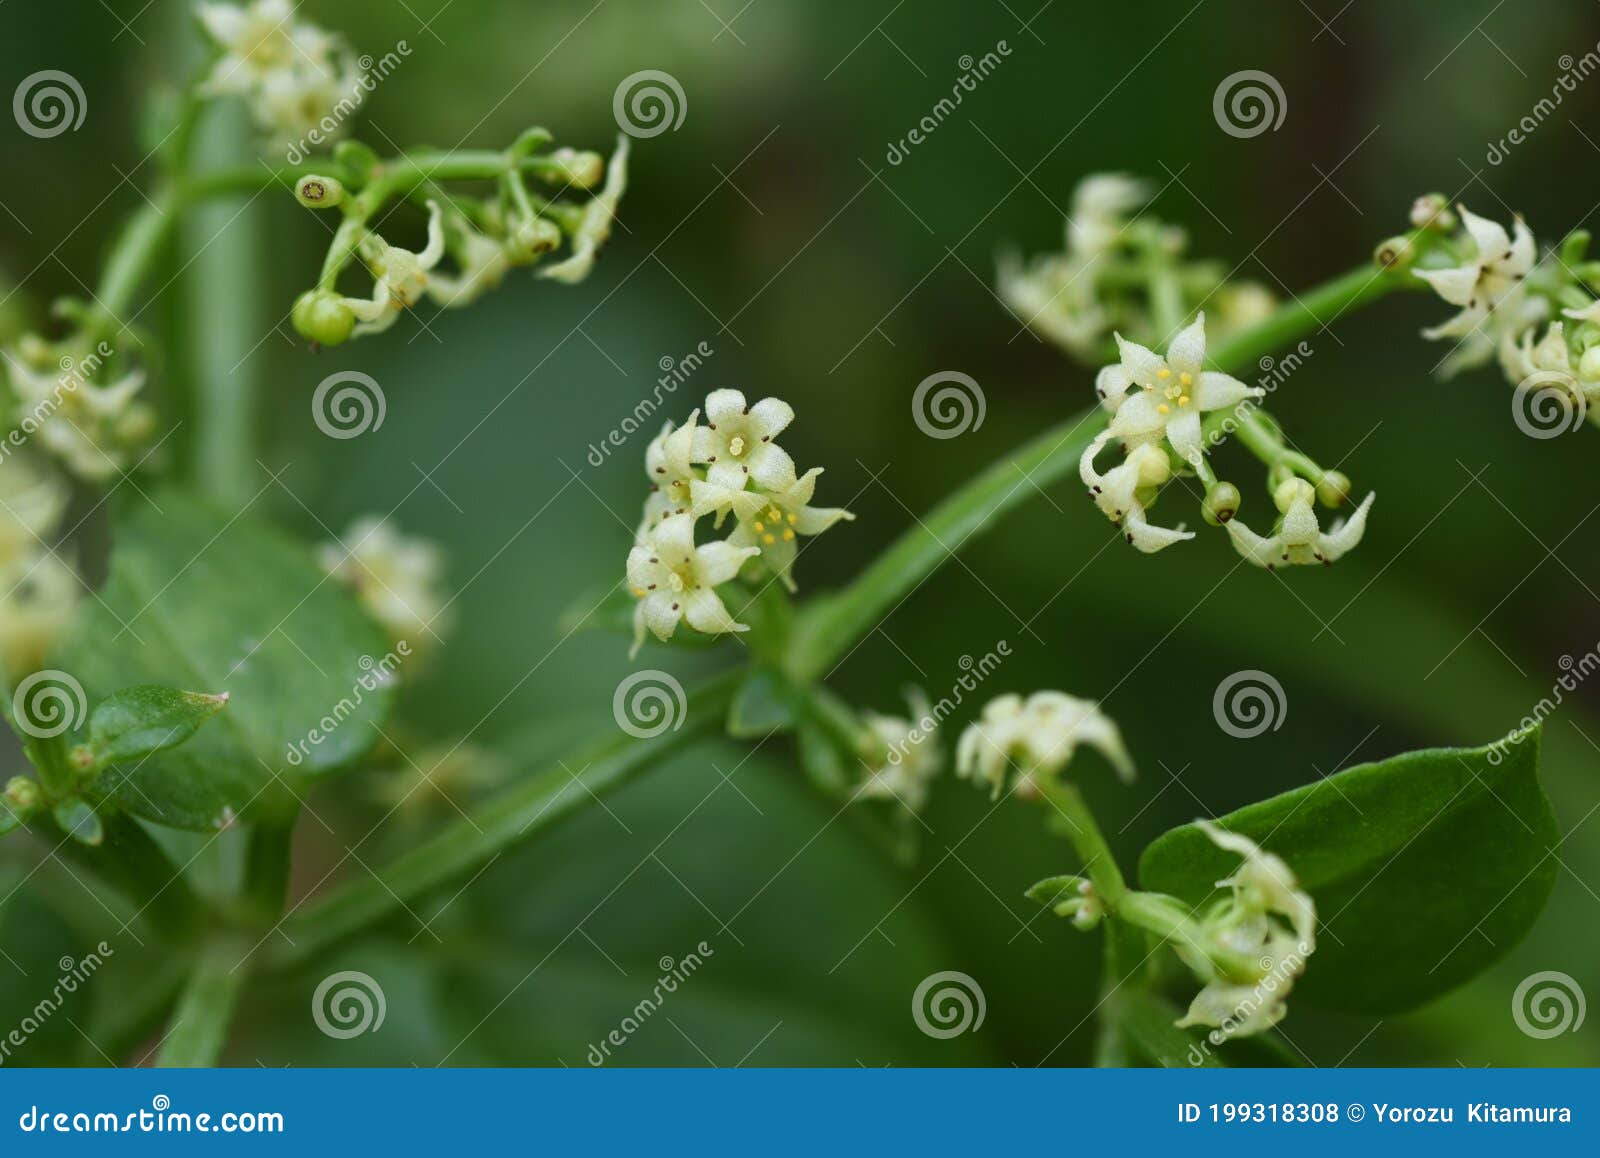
(583, 170)
(532, 238)
(321, 316)
(1589, 365)
(317, 192)
(1221, 504)
(1395, 253)
(22, 794)
(1334, 489)
(1432, 211)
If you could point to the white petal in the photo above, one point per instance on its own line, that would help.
(1183, 431)
(1455, 285)
(1141, 363)
(1523, 249)
(1148, 537)
(1262, 552)
(1139, 415)
(770, 417)
(1188, 349)
(674, 539)
(770, 466)
(724, 406)
(720, 562)
(1112, 384)
(1489, 236)
(1346, 535)
(705, 612)
(1215, 391)
(661, 613)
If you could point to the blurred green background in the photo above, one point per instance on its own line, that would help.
(771, 226)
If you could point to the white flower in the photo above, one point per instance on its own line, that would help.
(400, 277)
(483, 263)
(1124, 491)
(396, 578)
(1100, 207)
(594, 227)
(910, 756)
(91, 428)
(668, 461)
(31, 503)
(291, 104)
(736, 442)
(1482, 284)
(1265, 929)
(1298, 538)
(1039, 735)
(675, 580)
(1548, 363)
(1054, 295)
(770, 521)
(1173, 391)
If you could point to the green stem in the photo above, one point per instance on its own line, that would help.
(266, 872)
(1079, 825)
(831, 627)
(513, 817)
(200, 1022)
(397, 176)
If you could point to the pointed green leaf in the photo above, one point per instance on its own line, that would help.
(79, 821)
(134, 722)
(1426, 868)
(764, 704)
(203, 599)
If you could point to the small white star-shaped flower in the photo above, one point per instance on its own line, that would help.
(594, 227)
(736, 442)
(400, 277)
(1173, 391)
(1039, 735)
(1124, 491)
(770, 521)
(675, 580)
(668, 461)
(1299, 539)
(1486, 281)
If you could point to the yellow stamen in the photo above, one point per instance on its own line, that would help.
(760, 526)
(1186, 378)
(788, 536)
(768, 540)
(1183, 401)
(1163, 408)
(1163, 373)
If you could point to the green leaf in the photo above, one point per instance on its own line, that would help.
(204, 599)
(137, 721)
(1426, 868)
(79, 821)
(764, 704)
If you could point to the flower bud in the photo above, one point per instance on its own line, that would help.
(1334, 488)
(22, 794)
(1395, 253)
(1432, 211)
(321, 316)
(1291, 491)
(1589, 365)
(1221, 503)
(581, 169)
(531, 238)
(317, 192)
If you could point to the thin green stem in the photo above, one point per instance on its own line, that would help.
(199, 1027)
(266, 870)
(1080, 827)
(516, 815)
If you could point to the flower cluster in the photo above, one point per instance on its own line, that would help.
(1504, 293)
(728, 464)
(1252, 944)
(295, 76)
(395, 577)
(1159, 408)
(1038, 736)
(900, 757)
(485, 239)
(1120, 271)
(66, 398)
(38, 591)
